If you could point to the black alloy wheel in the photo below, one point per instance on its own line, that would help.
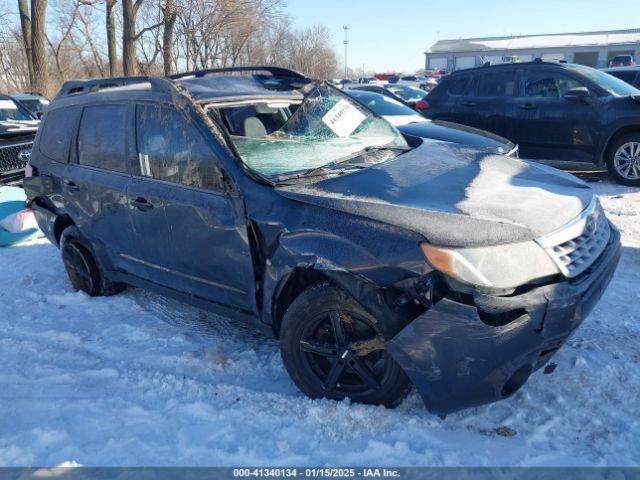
(332, 349)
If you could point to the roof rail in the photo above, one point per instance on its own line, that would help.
(276, 71)
(75, 87)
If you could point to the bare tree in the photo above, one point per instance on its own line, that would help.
(39, 55)
(65, 24)
(158, 37)
(169, 20)
(25, 25)
(111, 36)
(129, 13)
(129, 36)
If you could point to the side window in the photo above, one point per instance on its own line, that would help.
(57, 130)
(628, 76)
(548, 84)
(171, 148)
(101, 137)
(458, 86)
(497, 84)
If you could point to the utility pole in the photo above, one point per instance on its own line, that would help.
(346, 44)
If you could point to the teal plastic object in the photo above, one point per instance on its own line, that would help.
(12, 201)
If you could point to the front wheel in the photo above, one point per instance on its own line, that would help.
(331, 348)
(623, 160)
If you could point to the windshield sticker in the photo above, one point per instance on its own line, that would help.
(8, 105)
(343, 118)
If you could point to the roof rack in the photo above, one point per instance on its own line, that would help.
(75, 87)
(276, 71)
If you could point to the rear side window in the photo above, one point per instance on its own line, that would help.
(171, 148)
(496, 84)
(57, 129)
(101, 137)
(457, 86)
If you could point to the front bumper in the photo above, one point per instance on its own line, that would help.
(457, 361)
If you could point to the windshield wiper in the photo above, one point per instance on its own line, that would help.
(343, 163)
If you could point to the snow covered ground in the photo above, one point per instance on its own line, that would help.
(140, 380)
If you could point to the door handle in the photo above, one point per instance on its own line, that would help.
(528, 106)
(142, 204)
(71, 186)
(468, 104)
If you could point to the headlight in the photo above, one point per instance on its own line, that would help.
(499, 266)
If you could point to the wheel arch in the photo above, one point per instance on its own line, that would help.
(60, 224)
(303, 258)
(617, 134)
(296, 282)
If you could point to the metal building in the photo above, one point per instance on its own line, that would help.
(594, 49)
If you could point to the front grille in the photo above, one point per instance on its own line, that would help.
(577, 245)
(14, 157)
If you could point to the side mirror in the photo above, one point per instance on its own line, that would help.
(39, 115)
(578, 94)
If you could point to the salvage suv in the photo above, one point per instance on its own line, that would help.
(380, 261)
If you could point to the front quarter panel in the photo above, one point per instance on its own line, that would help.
(359, 254)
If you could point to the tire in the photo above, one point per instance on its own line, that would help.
(318, 345)
(82, 268)
(623, 159)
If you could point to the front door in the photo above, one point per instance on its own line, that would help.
(191, 234)
(549, 126)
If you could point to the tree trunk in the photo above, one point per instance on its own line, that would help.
(111, 38)
(25, 25)
(167, 36)
(40, 67)
(129, 11)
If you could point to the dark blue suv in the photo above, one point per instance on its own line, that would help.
(554, 111)
(381, 261)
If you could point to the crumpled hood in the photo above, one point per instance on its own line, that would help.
(454, 196)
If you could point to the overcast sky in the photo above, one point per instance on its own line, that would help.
(388, 35)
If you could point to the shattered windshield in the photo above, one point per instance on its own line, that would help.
(326, 128)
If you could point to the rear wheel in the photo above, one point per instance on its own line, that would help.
(331, 348)
(82, 268)
(623, 160)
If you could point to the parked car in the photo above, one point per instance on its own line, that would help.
(430, 83)
(631, 75)
(410, 123)
(622, 61)
(410, 96)
(33, 101)
(554, 111)
(17, 131)
(370, 81)
(417, 81)
(379, 261)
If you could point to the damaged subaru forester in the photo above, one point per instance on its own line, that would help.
(382, 262)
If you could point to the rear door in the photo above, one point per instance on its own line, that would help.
(95, 184)
(550, 127)
(191, 234)
(493, 107)
(450, 100)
